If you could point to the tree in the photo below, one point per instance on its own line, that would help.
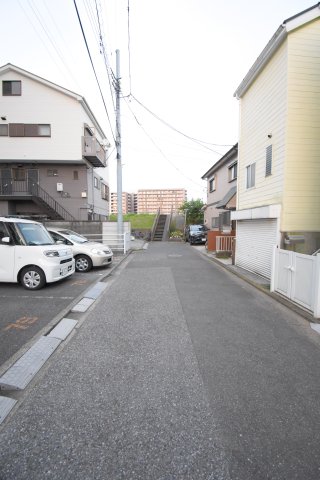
(193, 211)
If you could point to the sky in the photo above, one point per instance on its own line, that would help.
(180, 64)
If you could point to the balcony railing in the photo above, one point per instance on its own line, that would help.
(25, 188)
(93, 151)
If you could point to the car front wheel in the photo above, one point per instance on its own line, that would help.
(83, 263)
(32, 278)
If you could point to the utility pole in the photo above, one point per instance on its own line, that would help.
(118, 146)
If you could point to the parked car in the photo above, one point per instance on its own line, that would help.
(87, 254)
(196, 234)
(30, 256)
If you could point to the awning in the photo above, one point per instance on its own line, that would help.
(226, 199)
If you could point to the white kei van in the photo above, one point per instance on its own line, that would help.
(29, 255)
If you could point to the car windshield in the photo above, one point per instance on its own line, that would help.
(197, 228)
(34, 234)
(75, 237)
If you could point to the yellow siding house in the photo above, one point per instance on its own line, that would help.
(278, 200)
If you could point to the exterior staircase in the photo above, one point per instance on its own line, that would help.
(159, 230)
(25, 190)
(48, 204)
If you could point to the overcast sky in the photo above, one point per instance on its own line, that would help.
(180, 61)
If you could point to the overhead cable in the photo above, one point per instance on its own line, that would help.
(160, 150)
(200, 142)
(94, 70)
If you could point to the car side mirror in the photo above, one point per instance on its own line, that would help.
(5, 240)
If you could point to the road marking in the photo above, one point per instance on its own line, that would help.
(79, 282)
(21, 324)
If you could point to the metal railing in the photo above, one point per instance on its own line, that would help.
(155, 224)
(92, 148)
(224, 243)
(119, 243)
(10, 187)
(39, 192)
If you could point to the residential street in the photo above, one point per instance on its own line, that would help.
(179, 371)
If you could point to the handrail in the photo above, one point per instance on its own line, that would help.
(154, 226)
(10, 187)
(38, 191)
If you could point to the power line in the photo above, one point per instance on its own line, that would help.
(200, 142)
(110, 73)
(94, 70)
(159, 149)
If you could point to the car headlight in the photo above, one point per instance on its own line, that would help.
(97, 251)
(51, 253)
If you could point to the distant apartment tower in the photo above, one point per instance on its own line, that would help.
(167, 200)
(127, 203)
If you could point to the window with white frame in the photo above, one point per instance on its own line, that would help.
(268, 160)
(212, 184)
(233, 171)
(96, 182)
(250, 175)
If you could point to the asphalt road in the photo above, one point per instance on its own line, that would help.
(25, 314)
(180, 371)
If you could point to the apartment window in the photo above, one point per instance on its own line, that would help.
(11, 87)
(215, 222)
(96, 182)
(268, 160)
(29, 130)
(212, 184)
(52, 172)
(3, 130)
(232, 171)
(251, 175)
(75, 175)
(104, 191)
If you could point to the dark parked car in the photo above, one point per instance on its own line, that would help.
(196, 234)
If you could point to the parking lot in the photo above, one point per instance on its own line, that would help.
(25, 314)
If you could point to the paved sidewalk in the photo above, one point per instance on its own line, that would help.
(257, 281)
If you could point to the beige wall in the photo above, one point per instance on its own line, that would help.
(263, 112)
(302, 170)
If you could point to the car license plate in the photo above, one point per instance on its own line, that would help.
(63, 271)
(203, 239)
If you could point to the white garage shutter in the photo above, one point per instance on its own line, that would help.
(255, 241)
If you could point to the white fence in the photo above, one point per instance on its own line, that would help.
(297, 277)
(224, 243)
(119, 243)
